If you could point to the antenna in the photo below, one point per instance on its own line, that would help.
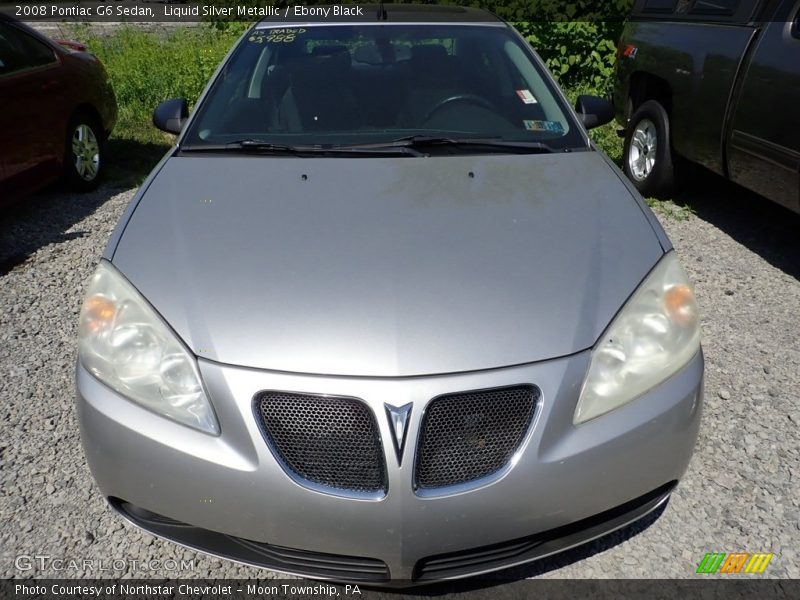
(382, 15)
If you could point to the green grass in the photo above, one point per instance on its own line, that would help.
(671, 209)
(130, 160)
(146, 68)
(608, 141)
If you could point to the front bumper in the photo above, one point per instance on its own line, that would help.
(569, 484)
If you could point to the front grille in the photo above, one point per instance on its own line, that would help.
(470, 435)
(326, 440)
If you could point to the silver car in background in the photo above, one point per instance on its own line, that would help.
(384, 314)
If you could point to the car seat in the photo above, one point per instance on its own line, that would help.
(319, 96)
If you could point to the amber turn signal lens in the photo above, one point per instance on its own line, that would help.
(680, 304)
(99, 312)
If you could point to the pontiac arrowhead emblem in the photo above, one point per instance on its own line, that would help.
(398, 423)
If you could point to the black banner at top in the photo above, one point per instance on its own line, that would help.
(177, 11)
(253, 10)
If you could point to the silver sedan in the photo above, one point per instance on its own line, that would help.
(384, 314)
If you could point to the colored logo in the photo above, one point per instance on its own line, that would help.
(735, 562)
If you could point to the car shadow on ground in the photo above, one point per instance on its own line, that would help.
(766, 228)
(130, 161)
(43, 219)
(47, 217)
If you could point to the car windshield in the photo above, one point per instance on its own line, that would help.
(352, 85)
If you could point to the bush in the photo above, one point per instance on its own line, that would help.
(577, 52)
(577, 40)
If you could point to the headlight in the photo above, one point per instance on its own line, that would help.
(126, 345)
(654, 335)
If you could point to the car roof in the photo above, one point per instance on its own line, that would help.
(7, 18)
(395, 13)
(14, 22)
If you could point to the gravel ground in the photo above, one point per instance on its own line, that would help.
(740, 494)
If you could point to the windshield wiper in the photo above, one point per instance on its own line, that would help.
(262, 146)
(427, 141)
(412, 145)
(246, 145)
(266, 147)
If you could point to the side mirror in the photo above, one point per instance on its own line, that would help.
(171, 115)
(594, 111)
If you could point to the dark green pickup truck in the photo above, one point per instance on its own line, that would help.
(714, 82)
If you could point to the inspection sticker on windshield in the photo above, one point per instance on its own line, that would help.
(527, 97)
(549, 126)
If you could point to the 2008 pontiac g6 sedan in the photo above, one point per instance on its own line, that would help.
(384, 314)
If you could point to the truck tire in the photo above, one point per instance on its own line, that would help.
(84, 153)
(647, 154)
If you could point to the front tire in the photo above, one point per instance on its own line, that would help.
(84, 155)
(647, 155)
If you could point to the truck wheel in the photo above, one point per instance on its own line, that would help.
(84, 155)
(647, 156)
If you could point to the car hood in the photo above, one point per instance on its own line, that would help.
(387, 266)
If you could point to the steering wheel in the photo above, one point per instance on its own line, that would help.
(472, 99)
